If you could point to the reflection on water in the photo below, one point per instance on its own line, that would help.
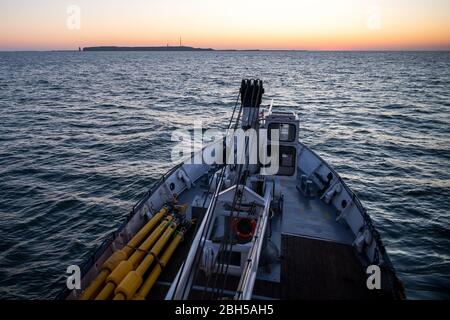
(83, 135)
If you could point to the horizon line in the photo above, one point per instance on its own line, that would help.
(229, 49)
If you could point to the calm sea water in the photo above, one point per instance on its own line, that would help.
(83, 135)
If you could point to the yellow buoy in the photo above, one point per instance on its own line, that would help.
(113, 261)
(148, 284)
(126, 266)
(133, 280)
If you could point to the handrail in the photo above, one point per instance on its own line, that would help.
(368, 220)
(185, 278)
(108, 240)
(247, 281)
(154, 186)
(359, 206)
(270, 107)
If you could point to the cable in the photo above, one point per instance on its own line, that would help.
(244, 183)
(221, 248)
(256, 86)
(197, 257)
(225, 240)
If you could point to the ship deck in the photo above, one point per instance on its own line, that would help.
(317, 260)
(310, 217)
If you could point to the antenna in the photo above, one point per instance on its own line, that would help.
(180, 41)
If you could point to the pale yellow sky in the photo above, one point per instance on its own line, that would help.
(264, 24)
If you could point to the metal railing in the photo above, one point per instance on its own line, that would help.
(247, 281)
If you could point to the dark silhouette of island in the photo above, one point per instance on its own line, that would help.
(166, 48)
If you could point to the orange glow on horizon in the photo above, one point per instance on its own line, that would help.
(289, 24)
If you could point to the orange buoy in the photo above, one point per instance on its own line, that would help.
(244, 228)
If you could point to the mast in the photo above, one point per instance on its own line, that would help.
(251, 96)
(251, 92)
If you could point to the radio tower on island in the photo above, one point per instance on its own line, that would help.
(180, 41)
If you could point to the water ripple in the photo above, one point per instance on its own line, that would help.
(83, 135)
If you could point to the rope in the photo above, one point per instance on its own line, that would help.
(225, 239)
(240, 203)
(197, 257)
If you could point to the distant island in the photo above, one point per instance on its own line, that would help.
(166, 48)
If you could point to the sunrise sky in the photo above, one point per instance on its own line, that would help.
(224, 24)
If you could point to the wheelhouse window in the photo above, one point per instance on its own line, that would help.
(287, 160)
(286, 130)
